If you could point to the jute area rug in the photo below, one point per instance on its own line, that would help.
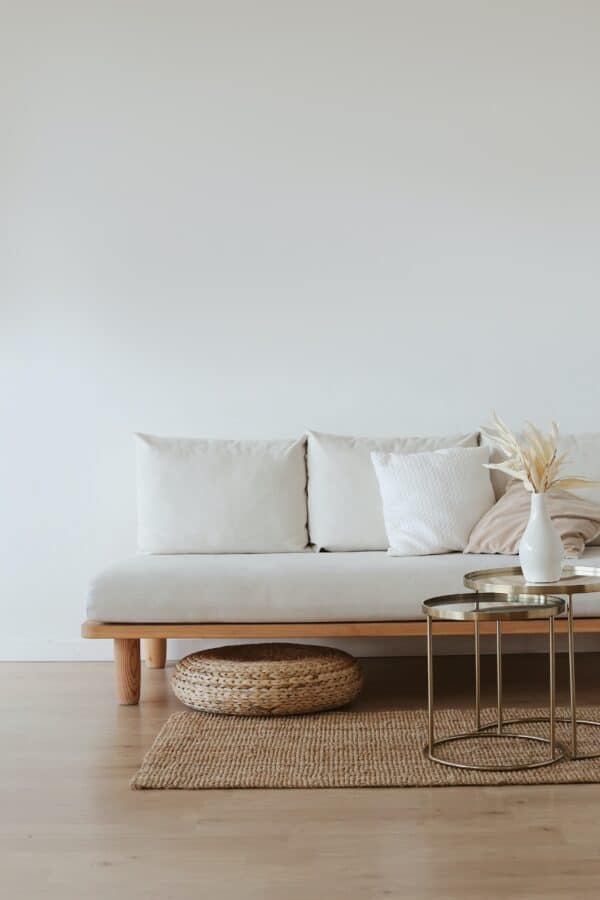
(347, 749)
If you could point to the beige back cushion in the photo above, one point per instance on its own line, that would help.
(576, 519)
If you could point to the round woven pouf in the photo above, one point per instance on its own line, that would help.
(267, 679)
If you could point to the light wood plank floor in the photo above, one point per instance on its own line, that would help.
(71, 828)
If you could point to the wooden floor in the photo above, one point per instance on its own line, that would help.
(71, 828)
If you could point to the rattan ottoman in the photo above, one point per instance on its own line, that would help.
(267, 679)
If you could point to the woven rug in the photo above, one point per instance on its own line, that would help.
(348, 749)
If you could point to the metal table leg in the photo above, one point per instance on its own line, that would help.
(430, 684)
(499, 675)
(552, 677)
(477, 678)
(572, 693)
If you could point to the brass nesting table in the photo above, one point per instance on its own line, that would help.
(577, 579)
(488, 605)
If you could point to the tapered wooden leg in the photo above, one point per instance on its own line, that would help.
(155, 652)
(127, 670)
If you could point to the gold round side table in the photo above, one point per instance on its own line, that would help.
(491, 607)
(577, 579)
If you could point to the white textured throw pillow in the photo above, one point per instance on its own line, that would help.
(344, 504)
(205, 496)
(432, 501)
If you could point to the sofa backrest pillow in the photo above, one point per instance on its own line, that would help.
(432, 501)
(213, 496)
(344, 503)
(584, 459)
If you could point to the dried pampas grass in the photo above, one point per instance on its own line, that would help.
(534, 460)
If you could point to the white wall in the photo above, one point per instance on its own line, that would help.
(249, 218)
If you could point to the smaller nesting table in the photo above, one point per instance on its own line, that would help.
(495, 607)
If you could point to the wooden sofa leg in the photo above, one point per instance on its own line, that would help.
(127, 670)
(155, 652)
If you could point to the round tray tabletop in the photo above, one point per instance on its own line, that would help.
(492, 607)
(509, 580)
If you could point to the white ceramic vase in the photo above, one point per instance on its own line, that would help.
(541, 549)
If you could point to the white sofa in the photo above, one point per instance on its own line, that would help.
(347, 589)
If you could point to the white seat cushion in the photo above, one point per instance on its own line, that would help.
(290, 587)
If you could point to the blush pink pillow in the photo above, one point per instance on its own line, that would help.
(576, 519)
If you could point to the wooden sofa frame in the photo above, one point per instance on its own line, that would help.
(127, 637)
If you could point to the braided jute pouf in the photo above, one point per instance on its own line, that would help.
(267, 679)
